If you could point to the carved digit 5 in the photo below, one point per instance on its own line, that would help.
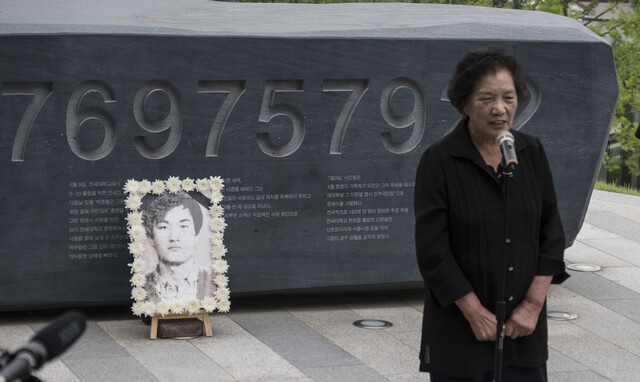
(269, 110)
(41, 92)
(417, 117)
(357, 89)
(172, 121)
(76, 117)
(235, 89)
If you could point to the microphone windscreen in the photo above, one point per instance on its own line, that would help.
(505, 134)
(61, 333)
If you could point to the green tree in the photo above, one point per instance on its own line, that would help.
(623, 31)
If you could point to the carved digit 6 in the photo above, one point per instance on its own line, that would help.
(76, 117)
(417, 117)
(172, 121)
(269, 110)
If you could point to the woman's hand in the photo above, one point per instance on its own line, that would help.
(524, 318)
(482, 321)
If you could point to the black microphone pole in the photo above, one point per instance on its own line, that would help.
(509, 164)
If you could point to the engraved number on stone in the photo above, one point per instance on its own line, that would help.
(357, 88)
(41, 92)
(417, 117)
(76, 118)
(172, 122)
(234, 90)
(268, 111)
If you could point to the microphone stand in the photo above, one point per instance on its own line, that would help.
(507, 172)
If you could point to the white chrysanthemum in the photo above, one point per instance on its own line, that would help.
(221, 280)
(163, 308)
(157, 187)
(173, 184)
(192, 306)
(137, 266)
(202, 185)
(216, 183)
(137, 232)
(216, 238)
(222, 293)
(132, 186)
(216, 197)
(136, 248)
(133, 202)
(138, 280)
(145, 187)
(134, 218)
(209, 304)
(138, 293)
(137, 308)
(220, 266)
(188, 184)
(216, 211)
(224, 306)
(149, 308)
(218, 251)
(177, 306)
(217, 224)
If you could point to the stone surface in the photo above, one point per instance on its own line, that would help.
(186, 327)
(316, 115)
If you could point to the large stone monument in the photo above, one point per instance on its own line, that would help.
(315, 116)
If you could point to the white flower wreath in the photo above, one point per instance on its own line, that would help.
(212, 189)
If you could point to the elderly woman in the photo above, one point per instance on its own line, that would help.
(460, 233)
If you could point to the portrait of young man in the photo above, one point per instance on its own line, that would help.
(173, 223)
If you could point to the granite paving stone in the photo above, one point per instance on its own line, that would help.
(375, 347)
(242, 355)
(628, 277)
(582, 253)
(595, 287)
(295, 341)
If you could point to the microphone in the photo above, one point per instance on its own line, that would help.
(506, 142)
(49, 343)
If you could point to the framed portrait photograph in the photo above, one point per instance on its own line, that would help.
(176, 231)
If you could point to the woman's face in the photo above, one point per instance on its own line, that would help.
(492, 105)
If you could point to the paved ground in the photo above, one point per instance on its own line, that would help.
(308, 339)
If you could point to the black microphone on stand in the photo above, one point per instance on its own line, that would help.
(509, 165)
(47, 344)
(507, 146)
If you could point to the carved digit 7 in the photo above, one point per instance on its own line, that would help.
(269, 110)
(235, 89)
(357, 89)
(41, 92)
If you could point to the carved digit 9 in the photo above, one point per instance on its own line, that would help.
(172, 121)
(41, 92)
(535, 98)
(76, 117)
(269, 110)
(417, 117)
(235, 89)
(357, 89)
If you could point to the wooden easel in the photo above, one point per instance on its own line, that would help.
(202, 314)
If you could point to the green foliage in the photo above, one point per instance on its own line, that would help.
(623, 32)
(603, 186)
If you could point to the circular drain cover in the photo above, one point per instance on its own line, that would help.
(561, 316)
(373, 324)
(583, 267)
